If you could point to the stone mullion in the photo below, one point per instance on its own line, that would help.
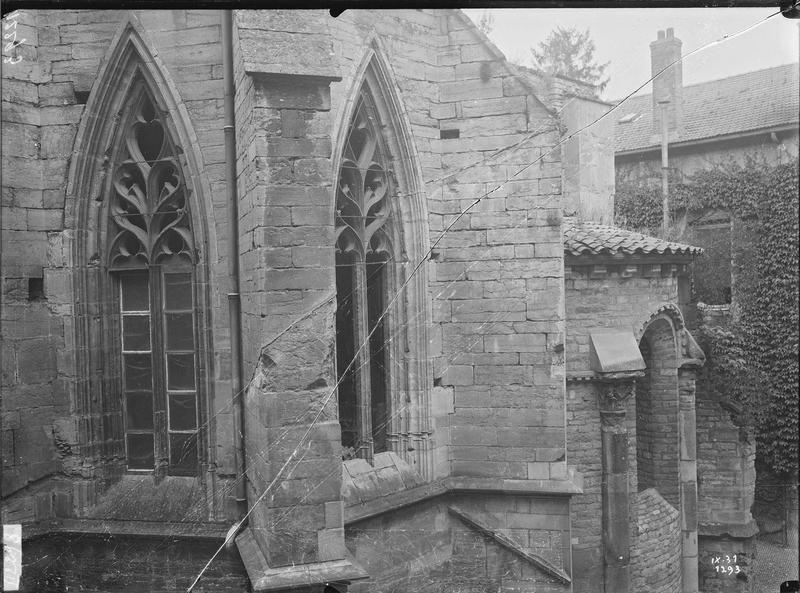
(158, 367)
(393, 343)
(362, 360)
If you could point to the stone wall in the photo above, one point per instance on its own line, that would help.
(492, 301)
(588, 161)
(655, 559)
(426, 548)
(612, 296)
(55, 91)
(647, 167)
(36, 294)
(727, 563)
(597, 298)
(725, 466)
(109, 564)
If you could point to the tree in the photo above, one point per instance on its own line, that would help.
(570, 52)
(486, 23)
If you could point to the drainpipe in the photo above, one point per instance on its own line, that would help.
(664, 167)
(234, 299)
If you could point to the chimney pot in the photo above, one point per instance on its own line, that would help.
(661, 34)
(670, 32)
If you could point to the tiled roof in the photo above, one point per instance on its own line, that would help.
(745, 102)
(591, 238)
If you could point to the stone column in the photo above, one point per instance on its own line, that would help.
(616, 506)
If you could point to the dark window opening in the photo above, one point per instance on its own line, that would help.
(81, 97)
(376, 289)
(345, 350)
(35, 289)
(449, 134)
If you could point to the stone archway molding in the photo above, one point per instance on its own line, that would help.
(688, 358)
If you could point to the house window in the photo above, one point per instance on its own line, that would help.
(151, 260)
(364, 260)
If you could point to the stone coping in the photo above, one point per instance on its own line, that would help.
(500, 538)
(392, 502)
(733, 530)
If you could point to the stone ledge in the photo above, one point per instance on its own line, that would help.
(733, 530)
(266, 71)
(572, 485)
(392, 502)
(358, 511)
(116, 527)
(264, 578)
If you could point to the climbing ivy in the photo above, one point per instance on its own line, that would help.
(726, 376)
(772, 314)
(755, 363)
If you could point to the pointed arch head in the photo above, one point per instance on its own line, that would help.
(374, 106)
(148, 212)
(133, 104)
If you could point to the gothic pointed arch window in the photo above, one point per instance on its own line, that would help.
(385, 374)
(366, 251)
(151, 264)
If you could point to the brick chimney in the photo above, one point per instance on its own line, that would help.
(669, 84)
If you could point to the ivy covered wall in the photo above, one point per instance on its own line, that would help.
(762, 201)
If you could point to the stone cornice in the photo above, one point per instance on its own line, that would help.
(596, 267)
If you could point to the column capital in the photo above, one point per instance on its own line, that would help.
(614, 394)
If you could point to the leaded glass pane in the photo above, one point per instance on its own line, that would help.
(135, 292)
(178, 292)
(182, 411)
(140, 451)
(180, 371)
(183, 453)
(139, 410)
(136, 332)
(179, 331)
(138, 372)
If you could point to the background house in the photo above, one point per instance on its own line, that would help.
(734, 120)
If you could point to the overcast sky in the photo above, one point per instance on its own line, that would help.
(623, 35)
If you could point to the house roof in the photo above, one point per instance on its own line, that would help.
(743, 103)
(591, 238)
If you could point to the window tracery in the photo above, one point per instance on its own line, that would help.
(148, 207)
(364, 253)
(151, 261)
